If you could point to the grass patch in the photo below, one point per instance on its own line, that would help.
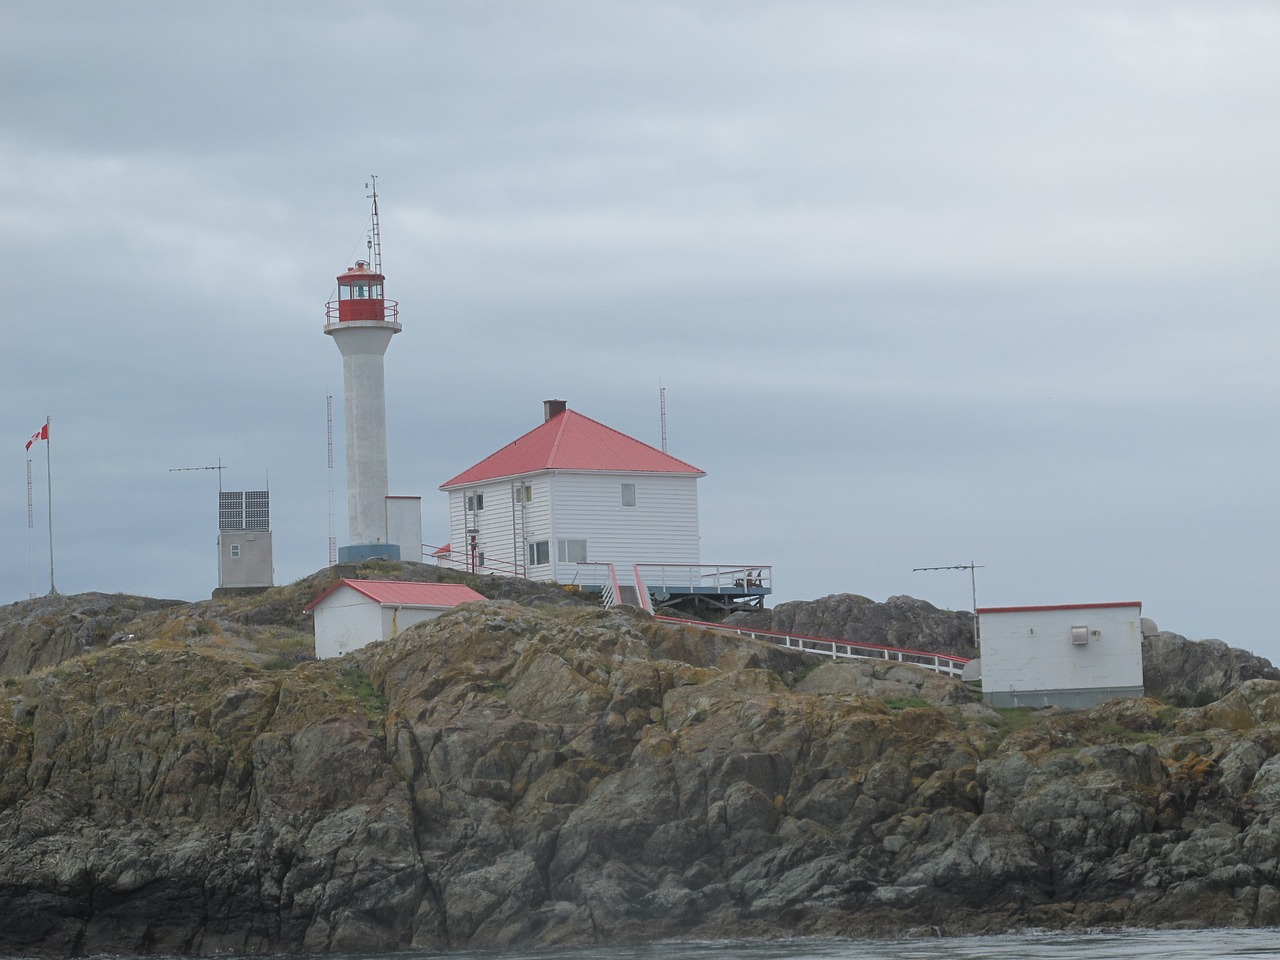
(898, 704)
(359, 685)
(1012, 720)
(285, 661)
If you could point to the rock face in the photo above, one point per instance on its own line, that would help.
(898, 622)
(510, 775)
(1196, 672)
(47, 630)
(1180, 671)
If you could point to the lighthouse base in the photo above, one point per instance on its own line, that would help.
(368, 551)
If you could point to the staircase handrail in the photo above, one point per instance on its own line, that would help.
(642, 591)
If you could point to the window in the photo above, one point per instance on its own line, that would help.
(235, 551)
(539, 553)
(571, 551)
(524, 493)
(628, 494)
(475, 501)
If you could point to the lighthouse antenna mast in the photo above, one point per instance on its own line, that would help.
(377, 233)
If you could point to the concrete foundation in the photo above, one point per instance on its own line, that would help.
(1077, 699)
(368, 551)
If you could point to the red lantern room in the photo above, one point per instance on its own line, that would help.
(360, 297)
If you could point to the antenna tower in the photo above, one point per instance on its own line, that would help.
(973, 583)
(31, 536)
(662, 408)
(333, 540)
(377, 233)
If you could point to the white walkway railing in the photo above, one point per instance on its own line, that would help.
(839, 649)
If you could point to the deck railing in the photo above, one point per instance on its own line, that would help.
(601, 576)
(443, 557)
(839, 649)
(707, 577)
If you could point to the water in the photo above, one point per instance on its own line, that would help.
(1132, 945)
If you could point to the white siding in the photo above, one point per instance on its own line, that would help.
(396, 619)
(504, 525)
(1030, 651)
(346, 621)
(661, 528)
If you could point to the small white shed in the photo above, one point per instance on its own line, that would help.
(351, 614)
(1069, 655)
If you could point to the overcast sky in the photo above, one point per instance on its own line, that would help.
(926, 283)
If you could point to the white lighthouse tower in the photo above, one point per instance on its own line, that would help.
(362, 323)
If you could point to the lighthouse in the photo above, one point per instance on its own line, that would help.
(362, 322)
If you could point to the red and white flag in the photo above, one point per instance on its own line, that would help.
(41, 434)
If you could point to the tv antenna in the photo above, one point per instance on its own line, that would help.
(973, 584)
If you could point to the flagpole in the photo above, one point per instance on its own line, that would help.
(48, 472)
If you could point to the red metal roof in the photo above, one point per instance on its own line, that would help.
(405, 593)
(1060, 606)
(570, 441)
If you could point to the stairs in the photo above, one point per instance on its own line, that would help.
(632, 591)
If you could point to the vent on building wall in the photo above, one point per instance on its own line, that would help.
(1079, 635)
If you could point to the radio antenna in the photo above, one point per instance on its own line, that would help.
(333, 541)
(377, 232)
(973, 583)
(662, 412)
(219, 468)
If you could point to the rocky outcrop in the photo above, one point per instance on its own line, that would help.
(1177, 670)
(48, 630)
(898, 622)
(510, 775)
(272, 624)
(1196, 672)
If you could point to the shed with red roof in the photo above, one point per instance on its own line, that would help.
(351, 614)
(569, 491)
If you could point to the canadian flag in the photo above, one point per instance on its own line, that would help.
(41, 434)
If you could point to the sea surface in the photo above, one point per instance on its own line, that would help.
(1130, 945)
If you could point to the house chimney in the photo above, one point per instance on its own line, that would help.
(553, 408)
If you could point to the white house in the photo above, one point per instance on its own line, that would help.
(1071, 655)
(571, 491)
(351, 614)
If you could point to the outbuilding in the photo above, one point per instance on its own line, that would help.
(1069, 655)
(351, 614)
